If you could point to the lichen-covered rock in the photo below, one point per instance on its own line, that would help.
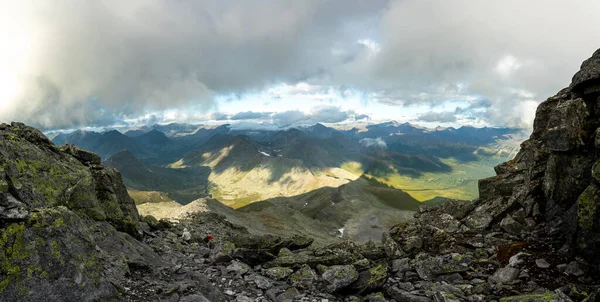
(505, 275)
(545, 297)
(566, 126)
(303, 278)
(60, 212)
(339, 276)
(401, 295)
(278, 273)
(85, 157)
(11, 208)
(372, 279)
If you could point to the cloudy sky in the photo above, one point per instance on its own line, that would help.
(72, 63)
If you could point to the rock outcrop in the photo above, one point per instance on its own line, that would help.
(67, 224)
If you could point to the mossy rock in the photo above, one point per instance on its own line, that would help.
(546, 297)
(53, 246)
(371, 280)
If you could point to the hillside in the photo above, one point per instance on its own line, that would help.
(183, 185)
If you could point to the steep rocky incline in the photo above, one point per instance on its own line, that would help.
(68, 228)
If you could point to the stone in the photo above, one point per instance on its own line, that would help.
(401, 265)
(412, 243)
(194, 298)
(285, 252)
(237, 267)
(447, 223)
(371, 280)
(11, 209)
(511, 226)
(260, 281)
(278, 273)
(404, 296)
(544, 297)
(406, 286)
(588, 221)
(223, 252)
(505, 275)
(564, 129)
(429, 267)
(480, 218)
(338, 277)
(542, 263)
(375, 297)
(517, 260)
(445, 297)
(573, 269)
(303, 278)
(85, 157)
(288, 295)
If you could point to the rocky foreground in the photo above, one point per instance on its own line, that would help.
(70, 232)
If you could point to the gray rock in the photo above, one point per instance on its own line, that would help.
(517, 259)
(400, 265)
(375, 297)
(243, 298)
(511, 226)
(543, 297)
(412, 243)
(372, 279)
(288, 296)
(260, 281)
(505, 275)
(406, 286)
(278, 273)
(445, 297)
(194, 298)
(430, 266)
(404, 296)
(339, 277)
(566, 122)
(11, 208)
(303, 278)
(237, 267)
(542, 263)
(480, 218)
(574, 269)
(447, 223)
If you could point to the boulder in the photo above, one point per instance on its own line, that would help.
(371, 280)
(404, 296)
(278, 273)
(338, 277)
(303, 278)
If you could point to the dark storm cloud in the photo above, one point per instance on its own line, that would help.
(139, 56)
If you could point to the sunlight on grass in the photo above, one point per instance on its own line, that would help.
(461, 183)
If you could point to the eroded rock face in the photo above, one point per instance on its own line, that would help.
(60, 217)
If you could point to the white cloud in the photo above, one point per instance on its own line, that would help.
(373, 142)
